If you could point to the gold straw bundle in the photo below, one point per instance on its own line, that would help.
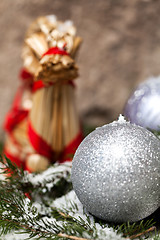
(52, 125)
(53, 117)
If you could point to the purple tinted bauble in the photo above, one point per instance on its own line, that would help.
(143, 107)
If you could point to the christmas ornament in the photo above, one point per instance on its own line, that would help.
(49, 130)
(115, 172)
(142, 107)
(54, 129)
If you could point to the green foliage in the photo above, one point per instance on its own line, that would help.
(20, 179)
(156, 133)
(41, 220)
(18, 213)
(157, 237)
(130, 229)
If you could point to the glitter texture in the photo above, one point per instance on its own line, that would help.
(116, 172)
(142, 107)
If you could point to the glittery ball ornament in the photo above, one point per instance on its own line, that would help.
(116, 172)
(143, 107)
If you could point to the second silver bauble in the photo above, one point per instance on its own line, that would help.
(143, 106)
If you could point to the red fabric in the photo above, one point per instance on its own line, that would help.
(55, 50)
(39, 144)
(40, 84)
(27, 169)
(25, 75)
(69, 151)
(28, 195)
(16, 114)
(14, 159)
(13, 118)
(44, 149)
(37, 85)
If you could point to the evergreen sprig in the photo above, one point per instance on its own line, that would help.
(42, 220)
(19, 214)
(52, 185)
(133, 229)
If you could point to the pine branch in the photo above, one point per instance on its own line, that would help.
(45, 220)
(19, 213)
(156, 237)
(52, 183)
(134, 230)
(143, 233)
(156, 133)
(71, 237)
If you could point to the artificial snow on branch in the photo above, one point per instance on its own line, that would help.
(44, 217)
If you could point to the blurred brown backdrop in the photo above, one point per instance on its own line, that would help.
(121, 47)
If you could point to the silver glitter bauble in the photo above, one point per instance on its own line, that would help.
(143, 107)
(116, 172)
